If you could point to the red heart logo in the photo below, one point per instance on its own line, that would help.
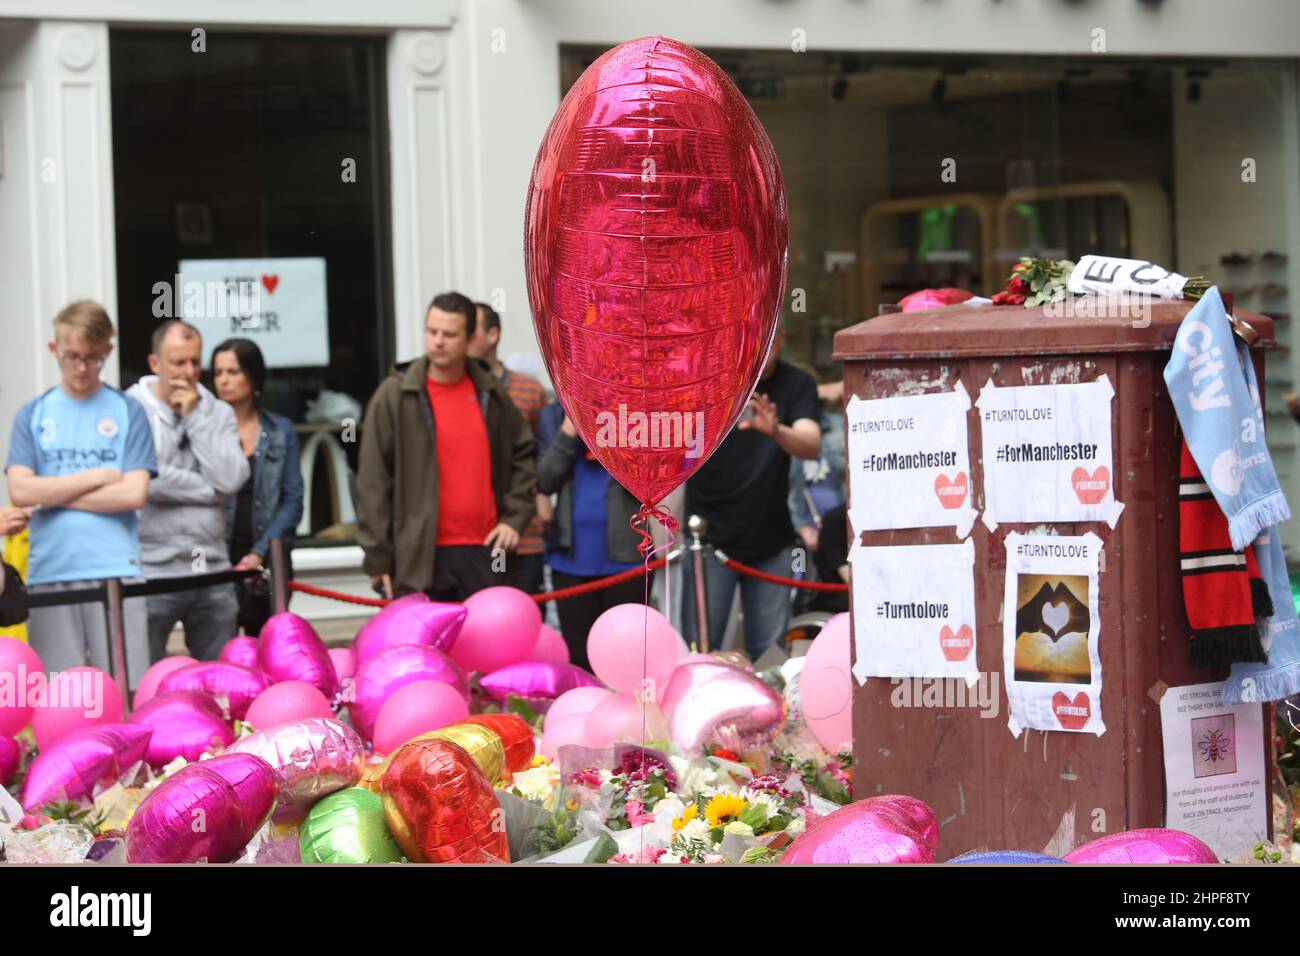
(270, 282)
(956, 645)
(951, 491)
(1091, 489)
(1073, 714)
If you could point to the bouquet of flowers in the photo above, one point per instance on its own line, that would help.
(631, 790)
(750, 826)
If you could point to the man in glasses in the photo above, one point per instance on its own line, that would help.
(80, 458)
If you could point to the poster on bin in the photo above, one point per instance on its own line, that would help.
(909, 462)
(278, 303)
(1051, 627)
(914, 611)
(1047, 453)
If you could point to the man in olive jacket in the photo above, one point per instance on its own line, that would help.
(446, 474)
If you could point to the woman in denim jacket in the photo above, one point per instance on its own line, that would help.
(269, 505)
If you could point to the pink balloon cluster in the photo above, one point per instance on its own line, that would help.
(289, 648)
(885, 829)
(1146, 847)
(18, 662)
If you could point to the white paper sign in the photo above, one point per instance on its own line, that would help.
(909, 462)
(1107, 275)
(914, 611)
(1047, 453)
(1050, 630)
(1216, 787)
(278, 303)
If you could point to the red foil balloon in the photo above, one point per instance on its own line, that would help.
(237, 684)
(877, 830)
(516, 737)
(440, 807)
(185, 723)
(204, 811)
(288, 648)
(1153, 845)
(76, 763)
(655, 247)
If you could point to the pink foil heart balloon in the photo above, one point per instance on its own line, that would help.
(71, 767)
(10, 756)
(536, 680)
(877, 830)
(185, 723)
(290, 649)
(240, 650)
(204, 811)
(315, 757)
(384, 673)
(409, 621)
(1154, 845)
(236, 684)
(655, 246)
(702, 697)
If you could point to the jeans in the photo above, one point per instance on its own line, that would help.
(765, 606)
(209, 616)
(63, 635)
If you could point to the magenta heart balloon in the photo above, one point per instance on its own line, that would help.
(185, 723)
(702, 697)
(290, 649)
(71, 767)
(876, 830)
(10, 753)
(396, 667)
(240, 650)
(234, 683)
(429, 623)
(1154, 845)
(918, 812)
(314, 757)
(536, 680)
(205, 811)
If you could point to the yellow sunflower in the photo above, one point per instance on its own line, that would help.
(689, 814)
(723, 808)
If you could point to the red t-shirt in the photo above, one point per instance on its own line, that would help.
(467, 508)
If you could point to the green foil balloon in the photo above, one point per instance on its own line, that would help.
(348, 827)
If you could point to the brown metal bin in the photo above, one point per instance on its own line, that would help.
(989, 789)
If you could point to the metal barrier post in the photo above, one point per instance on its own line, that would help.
(117, 641)
(697, 526)
(279, 580)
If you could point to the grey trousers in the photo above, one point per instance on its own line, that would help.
(210, 617)
(67, 635)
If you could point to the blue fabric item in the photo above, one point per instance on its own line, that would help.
(277, 485)
(1006, 856)
(1212, 384)
(56, 434)
(589, 557)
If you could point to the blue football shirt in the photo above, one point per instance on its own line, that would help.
(56, 434)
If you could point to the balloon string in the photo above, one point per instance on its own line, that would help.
(640, 523)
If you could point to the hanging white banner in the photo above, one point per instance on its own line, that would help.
(1047, 453)
(1050, 630)
(909, 462)
(914, 611)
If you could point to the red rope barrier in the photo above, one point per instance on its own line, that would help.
(337, 595)
(788, 582)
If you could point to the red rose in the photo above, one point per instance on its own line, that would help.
(726, 754)
(1018, 286)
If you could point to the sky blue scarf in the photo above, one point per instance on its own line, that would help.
(1212, 384)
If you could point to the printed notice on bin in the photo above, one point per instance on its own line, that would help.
(1047, 453)
(914, 611)
(1215, 784)
(909, 462)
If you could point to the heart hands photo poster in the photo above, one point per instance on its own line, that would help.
(1050, 633)
(1047, 453)
(914, 611)
(909, 462)
(1216, 786)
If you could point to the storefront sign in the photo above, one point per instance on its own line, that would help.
(278, 303)
(1047, 453)
(909, 462)
(1050, 630)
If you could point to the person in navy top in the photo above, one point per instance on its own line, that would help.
(81, 455)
